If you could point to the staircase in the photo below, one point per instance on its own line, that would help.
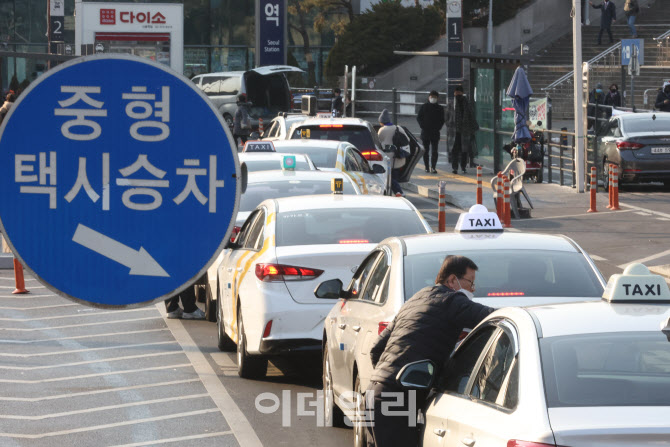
(555, 61)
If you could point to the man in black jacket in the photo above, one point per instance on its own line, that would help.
(431, 120)
(663, 99)
(607, 16)
(427, 327)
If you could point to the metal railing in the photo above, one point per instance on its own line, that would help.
(612, 52)
(663, 43)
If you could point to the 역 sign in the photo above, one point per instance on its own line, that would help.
(119, 181)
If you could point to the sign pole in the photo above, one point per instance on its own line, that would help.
(580, 131)
(454, 44)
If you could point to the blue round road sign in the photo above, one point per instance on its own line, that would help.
(119, 181)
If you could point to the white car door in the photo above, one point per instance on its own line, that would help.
(359, 169)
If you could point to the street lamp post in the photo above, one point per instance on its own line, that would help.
(580, 132)
(489, 30)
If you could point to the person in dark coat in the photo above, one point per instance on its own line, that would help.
(337, 104)
(242, 120)
(613, 98)
(607, 16)
(431, 120)
(427, 327)
(663, 98)
(461, 126)
(596, 99)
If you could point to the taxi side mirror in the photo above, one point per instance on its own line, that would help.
(244, 173)
(417, 375)
(331, 289)
(378, 169)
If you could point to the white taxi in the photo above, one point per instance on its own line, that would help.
(373, 177)
(590, 374)
(266, 280)
(270, 161)
(515, 269)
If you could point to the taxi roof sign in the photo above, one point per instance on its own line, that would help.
(337, 185)
(259, 146)
(288, 163)
(478, 218)
(636, 284)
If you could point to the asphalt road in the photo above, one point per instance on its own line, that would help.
(73, 375)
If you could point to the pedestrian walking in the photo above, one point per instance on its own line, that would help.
(607, 16)
(348, 106)
(431, 120)
(462, 125)
(7, 105)
(394, 136)
(663, 98)
(242, 120)
(337, 105)
(613, 98)
(191, 311)
(427, 326)
(631, 9)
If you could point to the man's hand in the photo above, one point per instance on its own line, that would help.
(591, 3)
(666, 101)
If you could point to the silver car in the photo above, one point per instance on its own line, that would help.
(590, 374)
(514, 269)
(639, 144)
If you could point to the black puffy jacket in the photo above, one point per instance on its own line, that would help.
(427, 327)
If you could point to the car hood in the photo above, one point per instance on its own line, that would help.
(610, 426)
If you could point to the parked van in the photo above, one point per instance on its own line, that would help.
(266, 87)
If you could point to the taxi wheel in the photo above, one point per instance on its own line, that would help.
(360, 432)
(248, 366)
(225, 343)
(210, 309)
(332, 414)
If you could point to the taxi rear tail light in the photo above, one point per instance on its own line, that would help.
(233, 235)
(464, 333)
(325, 126)
(354, 241)
(382, 325)
(506, 294)
(372, 155)
(628, 145)
(517, 443)
(268, 328)
(280, 272)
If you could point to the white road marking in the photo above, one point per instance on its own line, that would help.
(77, 351)
(597, 258)
(665, 219)
(105, 408)
(642, 213)
(513, 230)
(244, 432)
(101, 427)
(648, 258)
(580, 215)
(88, 376)
(663, 270)
(223, 359)
(76, 325)
(89, 362)
(91, 393)
(39, 307)
(85, 313)
(182, 438)
(31, 287)
(656, 213)
(77, 337)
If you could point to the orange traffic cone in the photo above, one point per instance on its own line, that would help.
(18, 278)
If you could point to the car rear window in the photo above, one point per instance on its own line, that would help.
(659, 124)
(257, 192)
(359, 136)
(322, 157)
(271, 165)
(345, 226)
(607, 370)
(512, 273)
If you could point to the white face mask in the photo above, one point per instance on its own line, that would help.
(465, 292)
(432, 100)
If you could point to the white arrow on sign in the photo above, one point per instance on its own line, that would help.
(140, 262)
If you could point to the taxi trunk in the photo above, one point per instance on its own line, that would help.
(336, 261)
(610, 426)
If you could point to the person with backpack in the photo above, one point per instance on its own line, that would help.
(395, 139)
(242, 120)
(631, 9)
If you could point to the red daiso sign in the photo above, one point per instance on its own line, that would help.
(108, 17)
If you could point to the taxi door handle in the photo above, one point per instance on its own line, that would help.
(440, 432)
(356, 328)
(468, 441)
(342, 325)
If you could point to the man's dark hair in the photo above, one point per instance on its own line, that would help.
(337, 90)
(459, 88)
(456, 265)
(434, 93)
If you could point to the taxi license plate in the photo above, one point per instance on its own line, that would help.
(660, 150)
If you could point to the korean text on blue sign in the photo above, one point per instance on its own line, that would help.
(627, 50)
(119, 182)
(270, 32)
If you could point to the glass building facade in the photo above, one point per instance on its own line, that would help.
(219, 35)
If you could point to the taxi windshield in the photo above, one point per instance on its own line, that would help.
(322, 157)
(345, 226)
(272, 165)
(512, 273)
(257, 192)
(607, 369)
(359, 136)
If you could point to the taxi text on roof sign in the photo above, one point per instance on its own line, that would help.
(259, 146)
(478, 218)
(636, 283)
(116, 176)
